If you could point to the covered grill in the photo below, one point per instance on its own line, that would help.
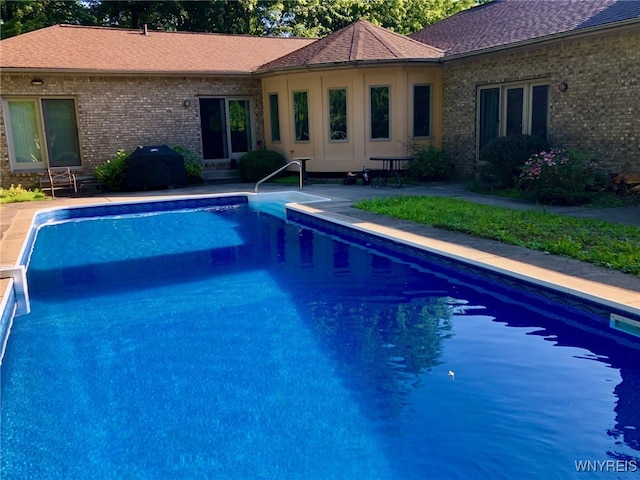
(155, 166)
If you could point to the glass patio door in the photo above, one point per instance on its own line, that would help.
(42, 132)
(213, 124)
(25, 135)
(239, 127)
(226, 128)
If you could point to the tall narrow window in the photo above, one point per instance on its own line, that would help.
(42, 132)
(380, 113)
(301, 116)
(514, 111)
(422, 110)
(539, 110)
(489, 124)
(338, 115)
(274, 114)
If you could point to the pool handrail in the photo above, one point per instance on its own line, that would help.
(299, 164)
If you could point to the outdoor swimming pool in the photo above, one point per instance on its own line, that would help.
(207, 339)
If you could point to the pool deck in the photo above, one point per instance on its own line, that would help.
(597, 284)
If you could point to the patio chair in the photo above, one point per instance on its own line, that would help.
(59, 178)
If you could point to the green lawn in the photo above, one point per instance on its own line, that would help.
(607, 244)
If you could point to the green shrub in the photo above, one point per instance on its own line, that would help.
(560, 177)
(256, 165)
(15, 194)
(112, 174)
(192, 161)
(504, 157)
(430, 164)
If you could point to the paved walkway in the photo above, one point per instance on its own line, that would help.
(592, 282)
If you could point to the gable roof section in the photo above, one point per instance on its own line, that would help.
(504, 22)
(113, 50)
(359, 42)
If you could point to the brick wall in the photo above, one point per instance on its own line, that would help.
(599, 112)
(123, 112)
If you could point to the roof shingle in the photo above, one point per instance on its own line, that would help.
(503, 22)
(359, 42)
(99, 49)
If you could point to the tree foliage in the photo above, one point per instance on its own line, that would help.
(302, 18)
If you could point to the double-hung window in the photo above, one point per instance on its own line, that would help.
(512, 109)
(380, 112)
(41, 133)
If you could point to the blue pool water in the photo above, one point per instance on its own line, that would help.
(224, 343)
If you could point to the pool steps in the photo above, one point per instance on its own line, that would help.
(624, 324)
(18, 274)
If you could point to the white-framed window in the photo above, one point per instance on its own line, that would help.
(380, 112)
(338, 120)
(422, 111)
(301, 116)
(41, 132)
(512, 109)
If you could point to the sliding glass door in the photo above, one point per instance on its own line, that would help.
(42, 133)
(226, 128)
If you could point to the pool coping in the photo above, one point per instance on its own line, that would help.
(614, 297)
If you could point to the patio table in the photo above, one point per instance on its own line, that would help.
(392, 167)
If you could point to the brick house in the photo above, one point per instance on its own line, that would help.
(565, 69)
(568, 70)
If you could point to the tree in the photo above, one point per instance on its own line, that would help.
(317, 18)
(26, 16)
(302, 18)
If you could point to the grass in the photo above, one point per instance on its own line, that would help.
(603, 199)
(611, 245)
(15, 194)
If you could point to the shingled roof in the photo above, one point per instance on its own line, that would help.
(504, 22)
(359, 42)
(114, 50)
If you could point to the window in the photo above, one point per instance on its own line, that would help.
(380, 113)
(42, 132)
(338, 115)
(301, 116)
(513, 109)
(274, 113)
(422, 110)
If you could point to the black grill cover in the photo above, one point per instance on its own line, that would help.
(155, 166)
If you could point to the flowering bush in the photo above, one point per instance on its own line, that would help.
(559, 177)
